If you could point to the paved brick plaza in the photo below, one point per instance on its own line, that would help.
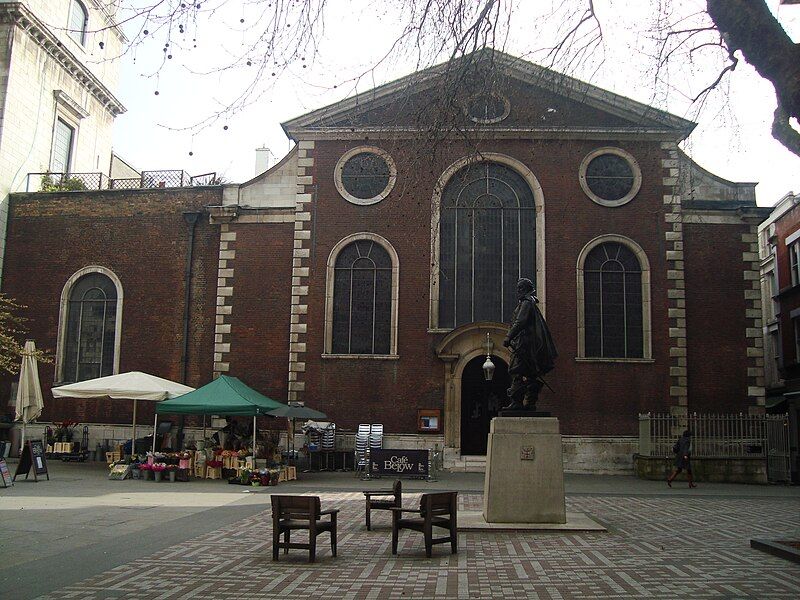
(676, 546)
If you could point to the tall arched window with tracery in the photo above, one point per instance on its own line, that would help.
(91, 328)
(362, 304)
(613, 302)
(487, 235)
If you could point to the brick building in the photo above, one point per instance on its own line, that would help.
(779, 245)
(366, 273)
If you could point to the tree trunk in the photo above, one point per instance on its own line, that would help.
(749, 26)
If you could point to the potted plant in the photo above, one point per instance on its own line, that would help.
(135, 471)
(64, 430)
(172, 470)
(147, 471)
(158, 470)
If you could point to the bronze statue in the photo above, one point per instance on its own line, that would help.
(532, 349)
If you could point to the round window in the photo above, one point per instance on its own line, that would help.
(610, 176)
(488, 108)
(365, 175)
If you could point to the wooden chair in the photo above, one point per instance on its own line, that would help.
(300, 512)
(435, 510)
(383, 500)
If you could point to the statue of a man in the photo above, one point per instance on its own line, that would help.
(532, 349)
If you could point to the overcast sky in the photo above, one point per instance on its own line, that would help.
(732, 139)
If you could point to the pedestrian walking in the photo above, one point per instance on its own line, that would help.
(683, 454)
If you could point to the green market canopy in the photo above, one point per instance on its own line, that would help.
(223, 396)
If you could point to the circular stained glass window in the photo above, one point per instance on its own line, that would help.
(365, 175)
(488, 108)
(610, 176)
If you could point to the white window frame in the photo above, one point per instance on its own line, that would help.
(71, 113)
(70, 152)
(794, 262)
(79, 36)
(329, 286)
(492, 120)
(647, 343)
(436, 201)
(337, 175)
(64, 311)
(628, 157)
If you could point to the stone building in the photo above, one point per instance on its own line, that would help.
(58, 78)
(370, 271)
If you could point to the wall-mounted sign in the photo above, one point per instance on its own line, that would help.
(429, 420)
(412, 463)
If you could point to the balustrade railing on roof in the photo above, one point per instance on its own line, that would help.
(61, 182)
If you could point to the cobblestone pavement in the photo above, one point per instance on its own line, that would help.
(656, 547)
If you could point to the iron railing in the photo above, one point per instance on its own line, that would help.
(713, 436)
(59, 182)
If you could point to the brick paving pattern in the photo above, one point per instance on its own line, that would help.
(656, 547)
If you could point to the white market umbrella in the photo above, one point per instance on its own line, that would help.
(29, 392)
(133, 385)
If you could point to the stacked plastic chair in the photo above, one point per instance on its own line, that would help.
(362, 443)
(328, 444)
(376, 436)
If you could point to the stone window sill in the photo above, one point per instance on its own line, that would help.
(363, 356)
(614, 360)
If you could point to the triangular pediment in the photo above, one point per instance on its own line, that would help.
(534, 99)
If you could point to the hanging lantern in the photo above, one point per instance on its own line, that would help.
(488, 365)
(488, 369)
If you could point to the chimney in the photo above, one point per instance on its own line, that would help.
(263, 159)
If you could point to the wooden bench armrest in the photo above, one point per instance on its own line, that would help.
(379, 493)
(330, 511)
(402, 510)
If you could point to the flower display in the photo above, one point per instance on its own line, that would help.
(63, 430)
(158, 467)
(145, 467)
(214, 464)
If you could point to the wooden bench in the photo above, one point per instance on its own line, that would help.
(435, 510)
(383, 500)
(300, 513)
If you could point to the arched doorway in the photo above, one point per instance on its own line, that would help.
(480, 402)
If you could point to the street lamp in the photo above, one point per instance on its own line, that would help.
(488, 365)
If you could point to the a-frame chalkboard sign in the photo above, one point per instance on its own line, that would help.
(32, 458)
(5, 476)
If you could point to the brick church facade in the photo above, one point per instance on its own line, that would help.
(367, 271)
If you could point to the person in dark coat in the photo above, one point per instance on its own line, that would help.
(683, 454)
(533, 351)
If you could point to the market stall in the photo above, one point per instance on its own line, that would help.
(133, 385)
(226, 396)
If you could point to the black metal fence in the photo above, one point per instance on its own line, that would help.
(65, 182)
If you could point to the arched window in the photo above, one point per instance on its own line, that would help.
(487, 234)
(78, 22)
(90, 329)
(361, 316)
(615, 302)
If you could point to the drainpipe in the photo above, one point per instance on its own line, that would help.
(191, 219)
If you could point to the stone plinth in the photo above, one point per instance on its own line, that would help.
(524, 472)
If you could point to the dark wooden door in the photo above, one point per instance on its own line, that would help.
(480, 401)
